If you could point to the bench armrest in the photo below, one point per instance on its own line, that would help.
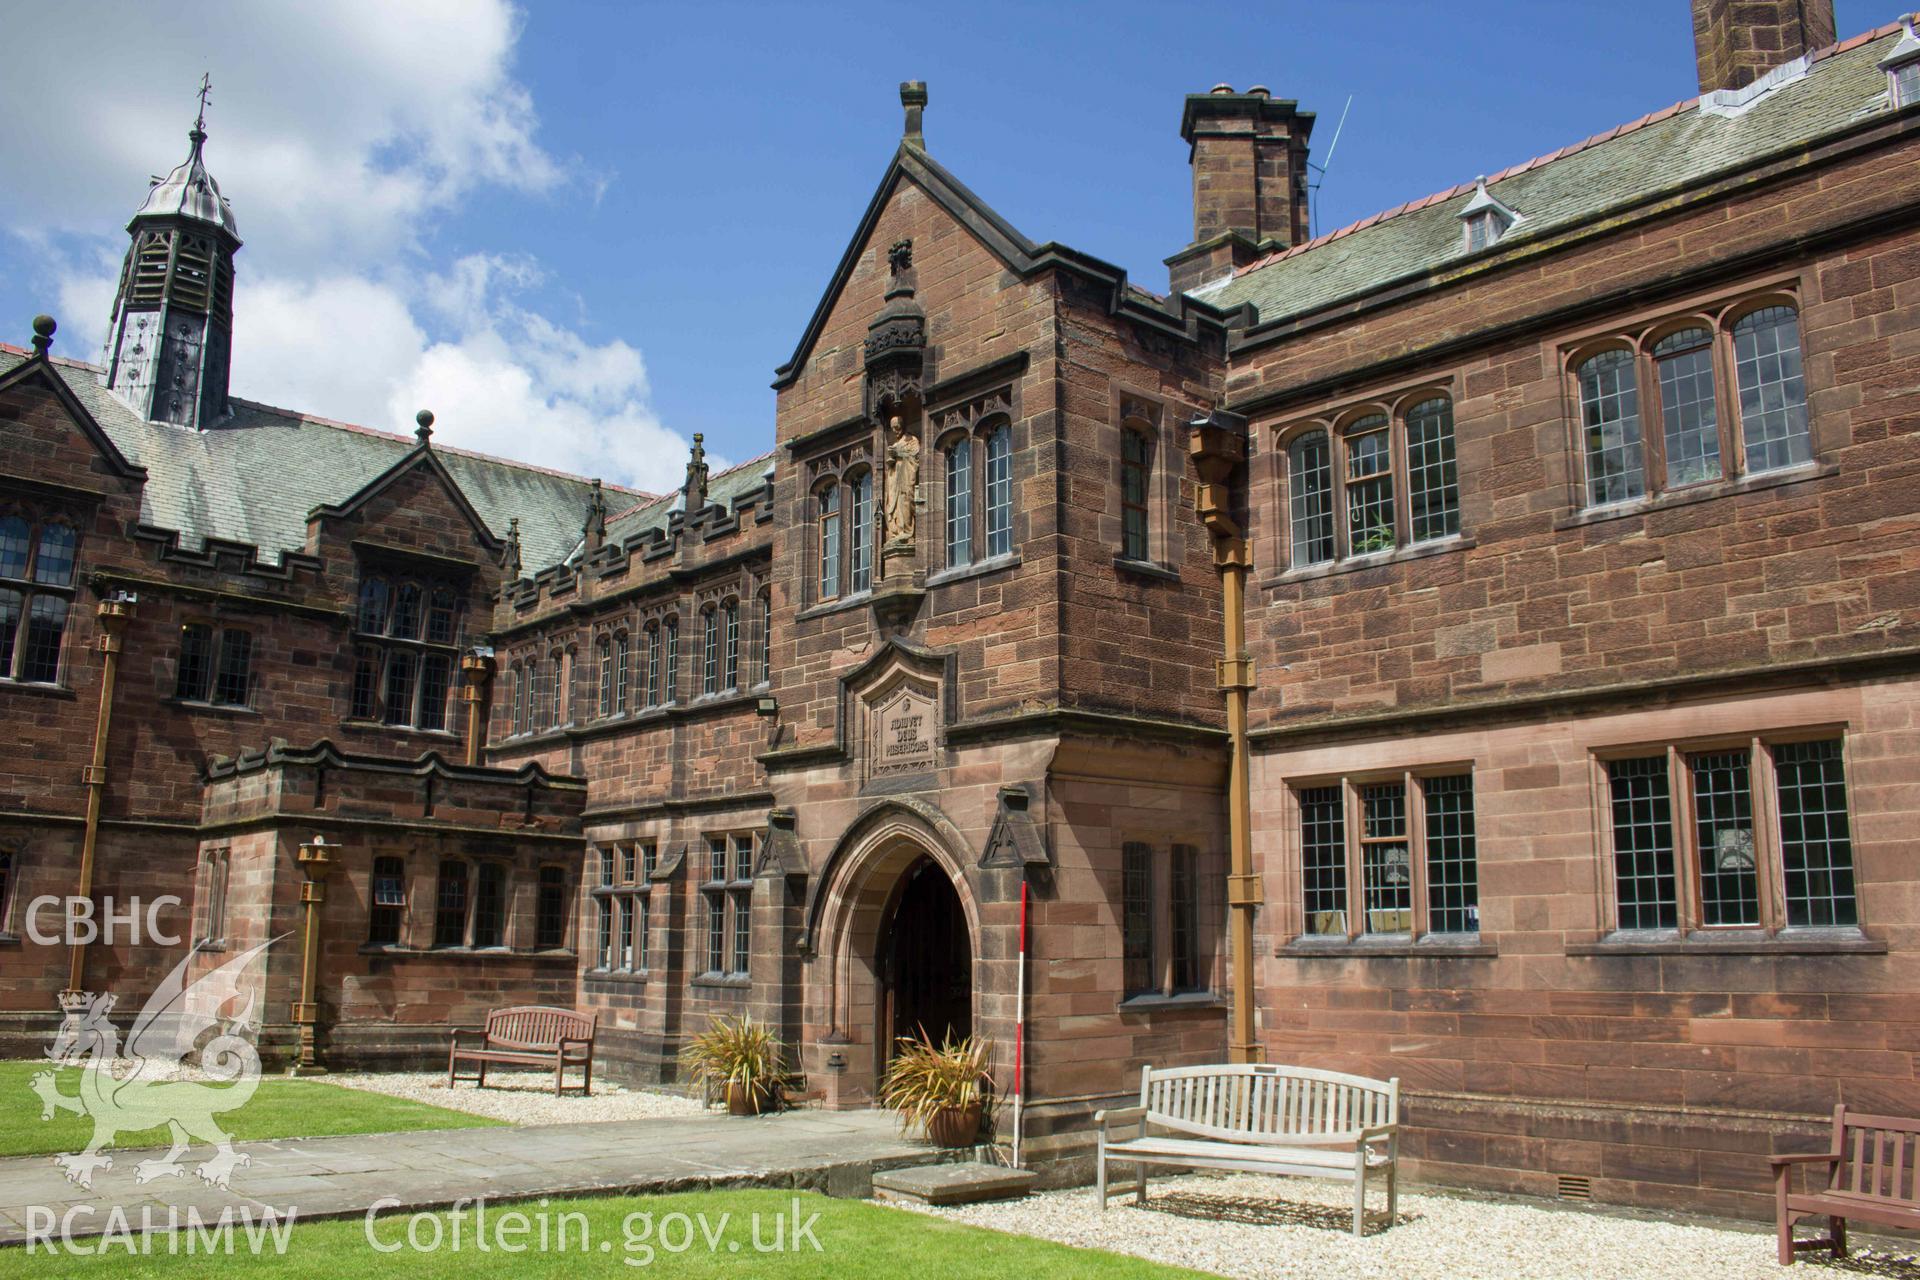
(1377, 1132)
(586, 1041)
(1120, 1117)
(1824, 1157)
(477, 1033)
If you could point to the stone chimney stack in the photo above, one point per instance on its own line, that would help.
(1735, 42)
(1249, 159)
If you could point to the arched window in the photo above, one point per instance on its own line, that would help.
(1610, 423)
(516, 693)
(1000, 491)
(710, 652)
(1310, 498)
(763, 636)
(960, 502)
(1136, 470)
(730, 661)
(860, 531)
(562, 688)
(442, 617)
(1371, 524)
(36, 585)
(830, 542)
(621, 681)
(653, 665)
(1433, 482)
(1773, 389)
(671, 676)
(1689, 415)
(603, 655)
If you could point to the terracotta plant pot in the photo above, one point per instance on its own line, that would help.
(954, 1126)
(746, 1100)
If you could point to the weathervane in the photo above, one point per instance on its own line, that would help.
(206, 87)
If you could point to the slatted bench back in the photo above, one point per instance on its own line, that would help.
(535, 1028)
(1257, 1102)
(1879, 1157)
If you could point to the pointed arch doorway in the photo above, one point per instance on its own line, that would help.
(926, 962)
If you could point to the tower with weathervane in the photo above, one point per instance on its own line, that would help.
(171, 336)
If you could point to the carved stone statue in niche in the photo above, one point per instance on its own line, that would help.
(903, 483)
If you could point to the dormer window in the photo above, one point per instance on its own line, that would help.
(1485, 219)
(1902, 66)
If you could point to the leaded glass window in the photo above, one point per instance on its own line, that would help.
(1000, 491)
(1689, 417)
(1816, 845)
(1610, 424)
(860, 531)
(1433, 482)
(1643, 857)
(1136, 470)
(1453, 869)
(1773, 389)
(1723, 834)
(1370, 517)
(960, 502)
(1310, 498)
(1323, 860)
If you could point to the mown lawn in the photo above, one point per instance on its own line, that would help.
(696, 1235)
(280, 1108)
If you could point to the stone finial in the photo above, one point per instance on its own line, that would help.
(423, 431)
(43, 327)
(696, 486)
(596, 530)
(510, 554)
(913, 97)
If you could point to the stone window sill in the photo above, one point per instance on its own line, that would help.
(401, 951)
(211, 708)
(1436, 947)
(725, 981)
(839, 604)
(978, 569)
(1154, 1002)
(1787, 942)
(629, 977)
(438, 735)
(1697, 493)
(37, 690)
(1145, 568)
(1372, 560)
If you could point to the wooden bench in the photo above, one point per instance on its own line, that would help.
(1257, 1118)
(528, 1036)
(1872, 1176)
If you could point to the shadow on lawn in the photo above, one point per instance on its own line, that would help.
(1203, 1207)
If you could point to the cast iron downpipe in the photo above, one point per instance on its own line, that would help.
(1217, 450)
(114, 613)
(477, 665)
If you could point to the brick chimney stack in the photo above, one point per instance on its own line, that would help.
(1249, 158)
(1735, 42)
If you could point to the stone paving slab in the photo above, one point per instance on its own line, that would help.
(835, 1152)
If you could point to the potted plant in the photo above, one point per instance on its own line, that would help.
(741, 1060)
(944, 1088)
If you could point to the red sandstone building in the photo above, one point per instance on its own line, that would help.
(1569, 517)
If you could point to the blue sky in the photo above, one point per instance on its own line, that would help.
(581, 232)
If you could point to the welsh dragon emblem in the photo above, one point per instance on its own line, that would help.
(135, 1088)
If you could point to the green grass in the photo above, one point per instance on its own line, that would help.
(281, 1108)
(857, 1239)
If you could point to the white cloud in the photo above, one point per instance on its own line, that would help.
(342, 133)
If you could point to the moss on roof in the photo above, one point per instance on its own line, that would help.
(1668, 149)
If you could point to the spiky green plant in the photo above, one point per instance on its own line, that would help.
(925, 1079)
(742, 1054)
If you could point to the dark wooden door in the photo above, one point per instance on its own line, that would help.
(931, 965)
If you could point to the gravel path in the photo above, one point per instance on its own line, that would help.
(522, 1097)
(1263, 1228)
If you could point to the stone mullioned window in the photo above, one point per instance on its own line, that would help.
(37, 558)
(1169, 895)
(1388, 856)
(1711, 395)
(214, 666)
(407, 634)
(1749, 833)
(1367, 479)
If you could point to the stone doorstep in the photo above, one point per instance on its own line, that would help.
(969, 1182)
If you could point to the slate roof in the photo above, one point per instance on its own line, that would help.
(1668, 149)
(253, 478)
